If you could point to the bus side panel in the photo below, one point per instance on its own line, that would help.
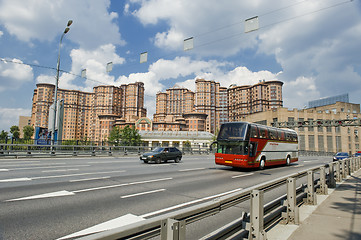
(240, 161)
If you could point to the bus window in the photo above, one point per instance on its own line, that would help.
(288, 136)
(273, 134)
(294, 137)
(263, 132)
(252, 149)
(281, 136)
(254, 131)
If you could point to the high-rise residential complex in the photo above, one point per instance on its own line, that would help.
(219, 104)
(175, 102)
(211, 99)
(89, 115)
(245, 100)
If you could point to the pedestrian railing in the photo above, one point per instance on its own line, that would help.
(28, 150)
(252, 225)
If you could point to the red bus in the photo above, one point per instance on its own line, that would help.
(250, 145)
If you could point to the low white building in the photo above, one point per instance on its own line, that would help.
(176, 138)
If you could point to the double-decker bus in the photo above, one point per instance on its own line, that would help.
(250, 145)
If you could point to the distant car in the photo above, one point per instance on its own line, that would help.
(358, 154)
(340, 156)
(162, 154)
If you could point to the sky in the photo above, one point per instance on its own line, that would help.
(313, 46)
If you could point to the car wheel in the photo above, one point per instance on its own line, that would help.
(157, 161)
(177, 159)
(145, 161)
(262, 164)
(288, 160)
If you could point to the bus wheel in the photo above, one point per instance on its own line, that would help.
(288, 160)
(262, 164)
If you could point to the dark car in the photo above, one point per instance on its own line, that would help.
(358, 154)
(340, 156)
(162, 154)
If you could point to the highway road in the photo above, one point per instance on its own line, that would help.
(61, 198)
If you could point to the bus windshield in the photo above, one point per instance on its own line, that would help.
(237, 148)
(233, 131)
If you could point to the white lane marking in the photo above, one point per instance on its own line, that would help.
(143, 193)
(15, 180)
(15, 169)
(107, 162)
(307, 161)
(57, 176)
(4, 170)
(122, 185)
(77, 174)
(191, 169)
(61, 170)
(111, 224)
(189, 203)
(68, 193)
(88, 179)
(299, 165)
(46, 195)
(29, 165)
(243, 175)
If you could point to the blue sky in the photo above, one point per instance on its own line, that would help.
(313, 46)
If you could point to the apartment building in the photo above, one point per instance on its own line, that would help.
(88, 115)
(211, 99)
(319, 139)
(245, 100)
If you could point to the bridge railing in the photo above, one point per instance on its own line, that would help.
(27, 150)
(250, 225)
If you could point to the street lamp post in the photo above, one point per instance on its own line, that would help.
(57, 82)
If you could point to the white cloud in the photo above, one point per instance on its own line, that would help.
(10, 117)
(163, 71)
(14, 74)
(308, 39)
(94, 61)
(45, 19)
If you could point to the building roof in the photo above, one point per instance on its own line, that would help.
(188, 135)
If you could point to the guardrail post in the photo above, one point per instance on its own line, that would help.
(172, 229)
(331, 176)
(125, 151)
(343, 169)
(74, 151)
(292, 214)
(311, 196)
(338, 172)
(93, 151)
(256, 219)
(29, 151)
(110, 151)
(323, 187)
(347, 167)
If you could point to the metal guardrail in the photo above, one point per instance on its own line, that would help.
(250, 225)
(28, 150)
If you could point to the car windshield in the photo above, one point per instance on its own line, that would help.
(157, 149)
(341, 154)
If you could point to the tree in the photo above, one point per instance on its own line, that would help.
(115, 136)
(28, 132)
(15, 131)
(130, 136)
(3, 135)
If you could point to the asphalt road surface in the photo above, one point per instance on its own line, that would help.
(61, 198)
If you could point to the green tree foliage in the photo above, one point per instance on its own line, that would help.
(15, 131)
(115, 136)
(128, 136)
(28, 132)
(3, 135)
